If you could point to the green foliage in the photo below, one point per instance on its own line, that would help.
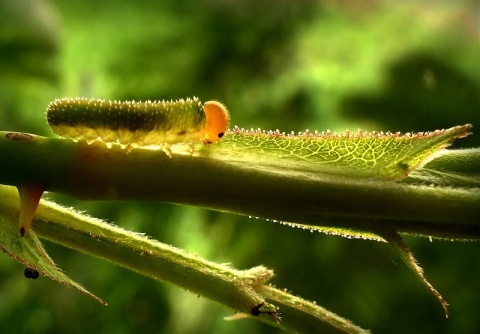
(288, 66)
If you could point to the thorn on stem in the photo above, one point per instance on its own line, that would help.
(29, 198)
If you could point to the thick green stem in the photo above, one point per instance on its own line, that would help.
(342, 205)
(350, 206)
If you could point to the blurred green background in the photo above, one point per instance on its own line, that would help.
(291, 65)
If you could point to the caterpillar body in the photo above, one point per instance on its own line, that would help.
(139, 124)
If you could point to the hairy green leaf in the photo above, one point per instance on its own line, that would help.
(28, 250)
(359, 155)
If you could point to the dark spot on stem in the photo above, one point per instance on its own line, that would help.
(256, 309)
(403, 166)
(256, 312)
(20, 136)
(31, 273)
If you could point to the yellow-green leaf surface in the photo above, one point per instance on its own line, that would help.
(362, 154)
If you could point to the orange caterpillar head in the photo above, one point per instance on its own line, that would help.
(217, 118)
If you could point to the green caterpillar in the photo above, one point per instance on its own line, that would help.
(137, 124)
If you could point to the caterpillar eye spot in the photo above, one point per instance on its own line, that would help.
(221, 134)
(181, 133)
